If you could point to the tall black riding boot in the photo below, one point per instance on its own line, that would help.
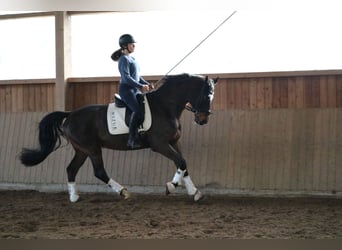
(133, 132)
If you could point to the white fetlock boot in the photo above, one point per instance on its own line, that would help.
(191, 189)
(73, 194)
(176, 181)
(116, 187)
(170, 188)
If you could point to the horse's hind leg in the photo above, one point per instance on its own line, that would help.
(72, 171)
(101, 174)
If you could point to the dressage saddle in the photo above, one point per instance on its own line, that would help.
(121, 104)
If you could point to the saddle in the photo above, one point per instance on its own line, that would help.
(119, 115)
(121, 104)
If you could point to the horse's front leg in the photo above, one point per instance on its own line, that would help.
(182, 175)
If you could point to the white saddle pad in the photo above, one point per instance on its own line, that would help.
(116, 119)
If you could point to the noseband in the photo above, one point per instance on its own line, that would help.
(195, 111)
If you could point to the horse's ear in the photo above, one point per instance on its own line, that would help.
(216, 80)
(206, 78)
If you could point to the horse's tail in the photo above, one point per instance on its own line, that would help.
(50, 132)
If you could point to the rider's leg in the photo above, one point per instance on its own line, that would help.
(137, 118)
(133, 130)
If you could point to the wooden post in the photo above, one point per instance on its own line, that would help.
(63, 63)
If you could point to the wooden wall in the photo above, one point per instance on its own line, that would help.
(27, 95)
(88, 91)
(321, 89)
(239, 91)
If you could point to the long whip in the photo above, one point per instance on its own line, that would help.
(212, 32)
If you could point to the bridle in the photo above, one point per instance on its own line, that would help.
(195, 110)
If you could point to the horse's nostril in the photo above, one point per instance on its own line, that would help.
(201, 122)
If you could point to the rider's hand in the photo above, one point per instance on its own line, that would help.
(145, 88)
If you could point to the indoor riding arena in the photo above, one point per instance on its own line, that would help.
(268, 162)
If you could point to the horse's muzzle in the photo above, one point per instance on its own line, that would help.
(201, 118)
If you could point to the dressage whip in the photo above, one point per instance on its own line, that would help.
(212, 32)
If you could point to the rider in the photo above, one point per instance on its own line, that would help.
(131, 84)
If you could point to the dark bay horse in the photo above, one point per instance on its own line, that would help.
(87, 130)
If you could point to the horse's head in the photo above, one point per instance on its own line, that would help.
(201, 106)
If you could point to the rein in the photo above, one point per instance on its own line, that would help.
(195, 111)
(189, 107)
(197, 105)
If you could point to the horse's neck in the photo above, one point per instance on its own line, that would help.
(169, 102)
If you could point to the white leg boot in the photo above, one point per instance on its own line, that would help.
(116, 187)
(191, 189)
(73, 194)
(177, 180)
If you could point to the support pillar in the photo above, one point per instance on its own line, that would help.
(63, 58)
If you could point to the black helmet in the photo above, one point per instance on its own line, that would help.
(125, 39)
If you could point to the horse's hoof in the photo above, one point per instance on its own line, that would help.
(125, 194)
(170, 188)
(198, 196)
(74, 198)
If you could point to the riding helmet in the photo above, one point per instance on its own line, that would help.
(126, 39)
